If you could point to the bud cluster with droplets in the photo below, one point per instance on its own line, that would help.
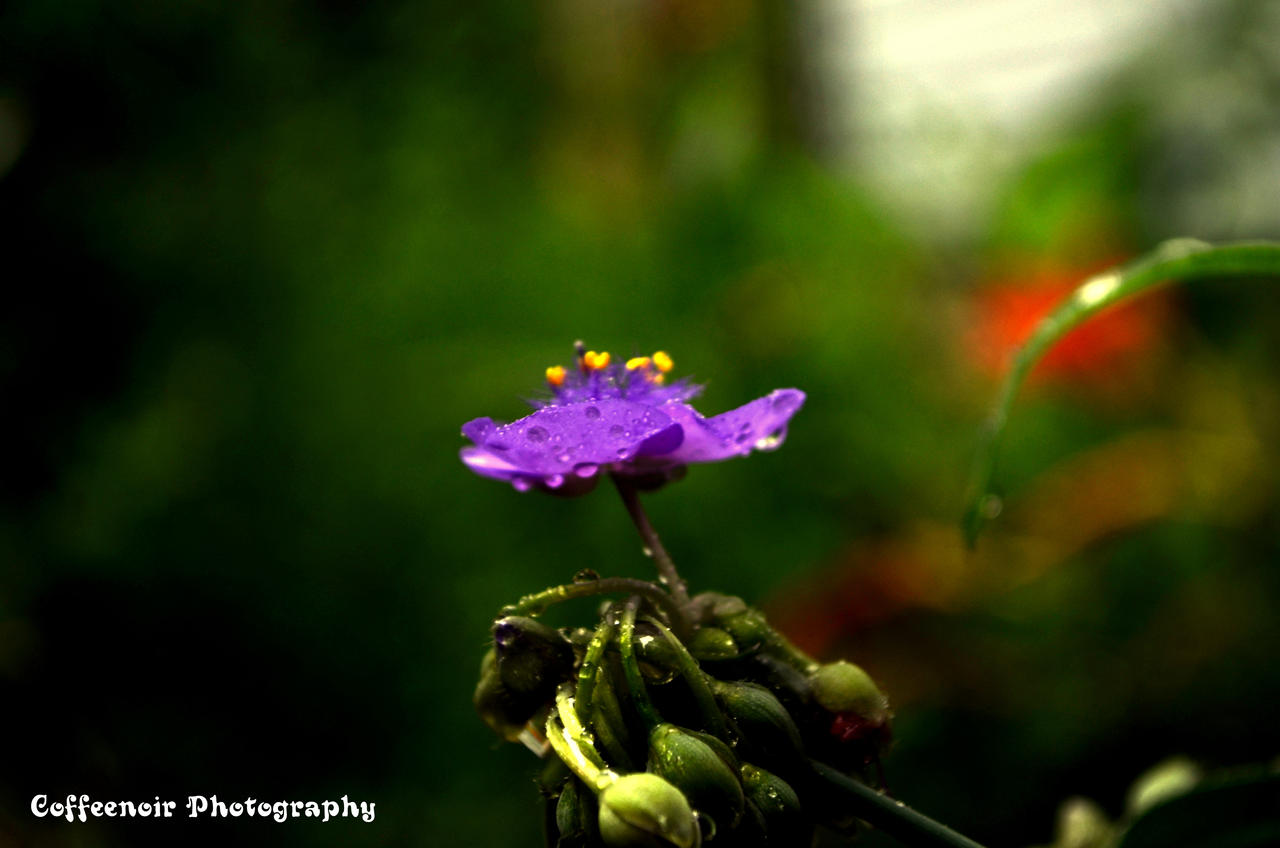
(678, 722)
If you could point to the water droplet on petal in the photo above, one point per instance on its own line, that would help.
(586, 575)
(497, 445)
(623, 453)
(554, 481)
(586, 469)
(591, 412)
(521, 484)
(565, 456)
(536, 434)
(771, 441)
(615, 430)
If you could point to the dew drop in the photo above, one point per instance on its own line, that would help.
(771, 441)
(586, 575)
(623, 452)
(706, 826)
(555, 481)
(536, 434)
(615, 430)
(565, 456)
(991, 506)
(497, 445)
(591, 412)
(521, 484)
(586, 469)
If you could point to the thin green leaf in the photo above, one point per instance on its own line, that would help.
(1177, 260)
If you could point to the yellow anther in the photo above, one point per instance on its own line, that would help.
(593, 361)
(637, 362)
(663, 362)
(555, 375)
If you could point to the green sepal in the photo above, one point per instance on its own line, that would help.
(767, 730)
(785, 820)
(695, 768)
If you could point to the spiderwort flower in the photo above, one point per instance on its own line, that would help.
(623, 418)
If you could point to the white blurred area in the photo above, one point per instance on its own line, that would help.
(933, 102)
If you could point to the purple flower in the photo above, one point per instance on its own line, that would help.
(622, 418)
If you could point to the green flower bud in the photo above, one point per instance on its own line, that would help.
(712, 643)
(784, 820)
(748, 627)
(766, 727)
(504, 712)
(576, 815)
(696, 769)
(532, 658)
(709, 606)
(644, 811)
(843, 687)
(1082, 824)
(716, 744)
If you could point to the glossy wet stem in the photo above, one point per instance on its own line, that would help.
(661, 559)
(893, 817)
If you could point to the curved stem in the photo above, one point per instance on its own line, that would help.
(584, 698)
(666, 568)
(696, 679)
(631, 668)
(893, 817)
(1177, 259)
(536, 603)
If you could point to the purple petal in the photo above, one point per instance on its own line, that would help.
(758, 425)
(558, 441)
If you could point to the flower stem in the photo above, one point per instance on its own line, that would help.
(666, 568)
(584, 697)
(696, 680)
(893, 817)
(537, 603)
(631, 668)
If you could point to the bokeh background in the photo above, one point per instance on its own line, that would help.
(262, 259)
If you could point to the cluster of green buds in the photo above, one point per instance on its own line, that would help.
(674, 724)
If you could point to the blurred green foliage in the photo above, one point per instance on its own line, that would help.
(264, 259)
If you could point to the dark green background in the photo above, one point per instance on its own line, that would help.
(261, 261)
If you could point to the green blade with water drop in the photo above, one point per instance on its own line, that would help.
(1177, 260)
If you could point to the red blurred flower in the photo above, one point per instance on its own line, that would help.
(1007, 310)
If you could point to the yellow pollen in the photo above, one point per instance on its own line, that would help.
(637, 362)
(593, 361)
(555, 375)
(663, 362)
